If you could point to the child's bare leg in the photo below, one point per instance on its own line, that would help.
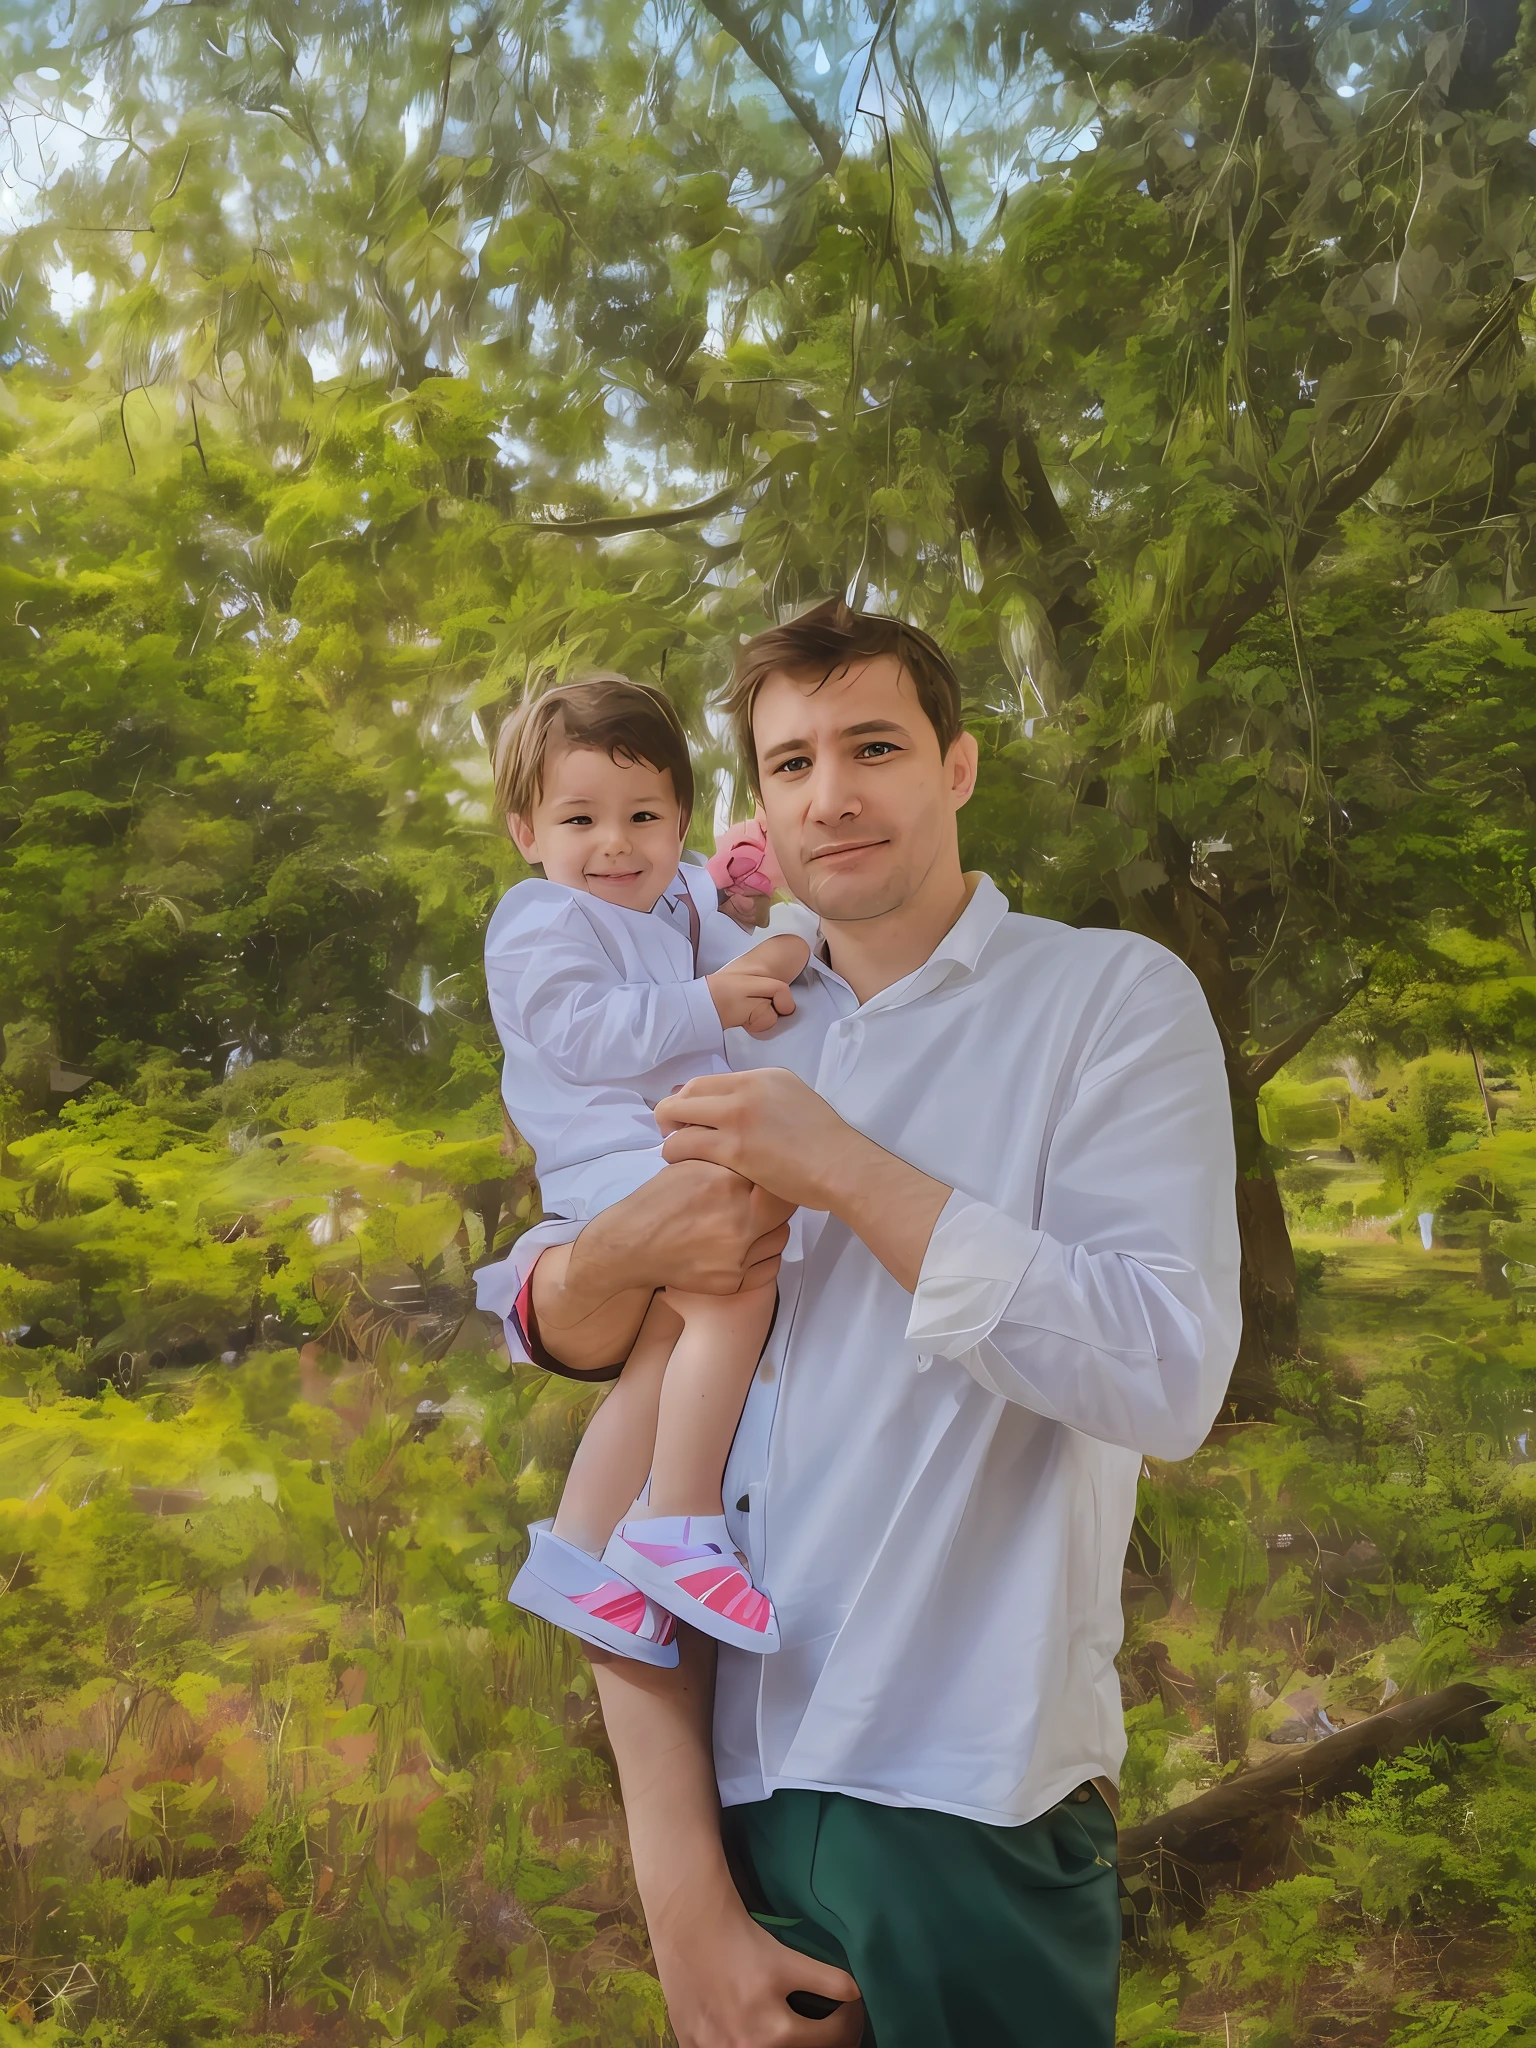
(702, 1395)
(615, 1451)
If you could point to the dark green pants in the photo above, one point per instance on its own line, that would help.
(959, 1935)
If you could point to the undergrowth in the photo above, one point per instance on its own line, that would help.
(276, 1756)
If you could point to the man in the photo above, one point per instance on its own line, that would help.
(1012, 1144)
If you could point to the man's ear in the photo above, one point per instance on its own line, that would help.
(524, 838)
(962, 764)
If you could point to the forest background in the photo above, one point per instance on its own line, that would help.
(363, 365)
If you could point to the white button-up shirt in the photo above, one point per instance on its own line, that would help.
(601, 1012)
(938, 1489)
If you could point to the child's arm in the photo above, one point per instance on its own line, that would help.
(752, 993)
(553, 985)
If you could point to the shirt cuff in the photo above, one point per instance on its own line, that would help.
(704, 1019)
(974, 1265)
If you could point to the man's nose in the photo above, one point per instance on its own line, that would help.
(832, 799)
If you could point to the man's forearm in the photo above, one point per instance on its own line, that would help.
(725, 1978)
(581, 1320)
(892, 1206)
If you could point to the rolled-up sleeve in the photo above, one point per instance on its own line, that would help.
(1115, 1308)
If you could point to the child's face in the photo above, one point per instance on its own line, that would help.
(611, 828)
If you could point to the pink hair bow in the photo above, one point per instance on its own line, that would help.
(743, 864)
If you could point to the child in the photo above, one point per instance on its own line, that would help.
(612, 981)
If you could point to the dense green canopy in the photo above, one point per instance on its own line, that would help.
(1178, 383)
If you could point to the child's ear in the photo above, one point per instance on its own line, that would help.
(524, 838)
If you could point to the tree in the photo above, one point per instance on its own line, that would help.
(1176, 379)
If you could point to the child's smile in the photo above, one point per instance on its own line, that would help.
(612, 828)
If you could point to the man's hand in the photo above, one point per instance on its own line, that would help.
(726, 1982)
(692, 1227)
(772, 1129)
(752, 993)
(701, 1230)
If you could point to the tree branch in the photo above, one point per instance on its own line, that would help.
(653, 522)
(998, 518)
(1352, 483)
(122, 420)
(739, 22)
(1042, 515)
(1265, 1065)
(197, 438)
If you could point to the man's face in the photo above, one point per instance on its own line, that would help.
(859, 801)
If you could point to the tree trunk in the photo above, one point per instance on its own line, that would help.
(1191, 923)
(1271, 1331)
(1270, 1324)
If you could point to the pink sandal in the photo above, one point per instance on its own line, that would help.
(573, 1590)
(688, 1565)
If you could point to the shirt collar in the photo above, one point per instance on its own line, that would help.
(672, 903)
(958, 951)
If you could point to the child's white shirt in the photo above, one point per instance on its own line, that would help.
(601, 1013)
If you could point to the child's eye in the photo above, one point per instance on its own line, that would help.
(580, 818)
(645, 817)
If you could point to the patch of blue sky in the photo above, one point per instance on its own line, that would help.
(418, 117)
(584, 30)
(45, 136)
(71, 292)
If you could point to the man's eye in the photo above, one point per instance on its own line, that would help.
(794, 765)
(873, 749)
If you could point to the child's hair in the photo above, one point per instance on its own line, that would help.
(627, 721)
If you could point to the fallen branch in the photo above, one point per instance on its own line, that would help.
(1238, 1833)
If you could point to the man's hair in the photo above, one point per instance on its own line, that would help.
(626, 721)
(825, 639)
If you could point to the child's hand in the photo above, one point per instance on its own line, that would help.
(752, 994)
(745, 873)
(744, 908)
